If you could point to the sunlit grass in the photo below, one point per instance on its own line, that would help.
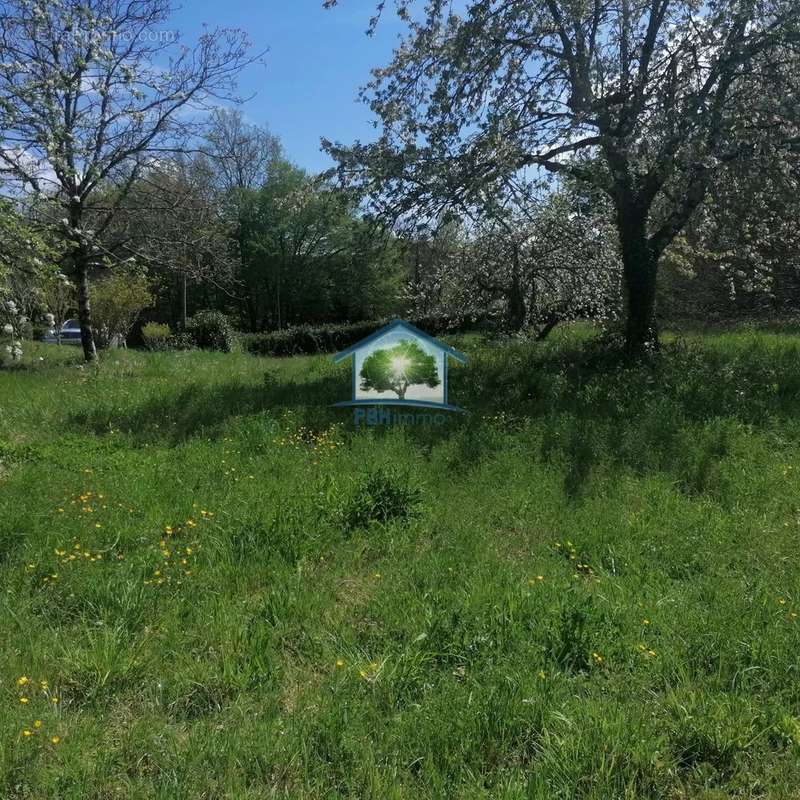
(586, 587)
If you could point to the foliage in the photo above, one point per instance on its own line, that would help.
(397, 368)
(638, 101)
(531, 266)
(596, 572)
(307, 256)
(11, 324)
(159, 338)
(27, 259)
(156, 335)
(118, 301)
(309, 339)
(91, 92)
(211, 330)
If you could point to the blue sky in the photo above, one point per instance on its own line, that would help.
(316, 62)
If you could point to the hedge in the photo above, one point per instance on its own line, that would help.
(308, 339)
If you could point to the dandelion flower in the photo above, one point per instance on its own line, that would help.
(55, 739)
(37, 723)
(26, 733)
(23, 681)
(24, 701)
(339, 662)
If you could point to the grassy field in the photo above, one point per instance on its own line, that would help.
(587, 587)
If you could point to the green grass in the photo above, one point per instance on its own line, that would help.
(587, 587)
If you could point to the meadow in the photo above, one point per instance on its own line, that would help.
(586, 587)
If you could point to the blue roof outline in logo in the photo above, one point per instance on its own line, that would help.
(401, 326)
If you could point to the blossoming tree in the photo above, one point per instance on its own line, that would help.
(91, 92)
(634, 98)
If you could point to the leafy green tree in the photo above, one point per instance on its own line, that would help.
(309, 257)
(395, 369)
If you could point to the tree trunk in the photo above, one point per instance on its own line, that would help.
(184, 315)
(85, 312)
(640, 268)
(547, 327)
(516, 302)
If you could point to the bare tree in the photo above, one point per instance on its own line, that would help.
(242, 153)
(93, 91)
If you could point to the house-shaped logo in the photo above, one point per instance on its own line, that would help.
(400, 365)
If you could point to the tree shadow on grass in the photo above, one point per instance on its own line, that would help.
(203, 409)
(581, 406)
(681, 412)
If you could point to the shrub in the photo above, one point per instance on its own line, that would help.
(156, 336)
(310, 340)
(181, 341)
(211, 330)
(117, 301)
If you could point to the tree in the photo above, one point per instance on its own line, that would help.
(243, 154)
(740, 254)
(395, 369)
(27, 255)
(308, 256)
(58, 295)
(528, 264)
(118, 301)
(635, 98)
(91, 92)
(173, 222)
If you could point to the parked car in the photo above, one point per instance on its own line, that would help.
(70, 333)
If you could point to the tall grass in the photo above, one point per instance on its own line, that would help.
(587, 587)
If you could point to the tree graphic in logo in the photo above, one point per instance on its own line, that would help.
(396, 368)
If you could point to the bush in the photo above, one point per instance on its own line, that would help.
(211, 330)
(311, 340)
(181, 341)
(156, 336)
(380, 495)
